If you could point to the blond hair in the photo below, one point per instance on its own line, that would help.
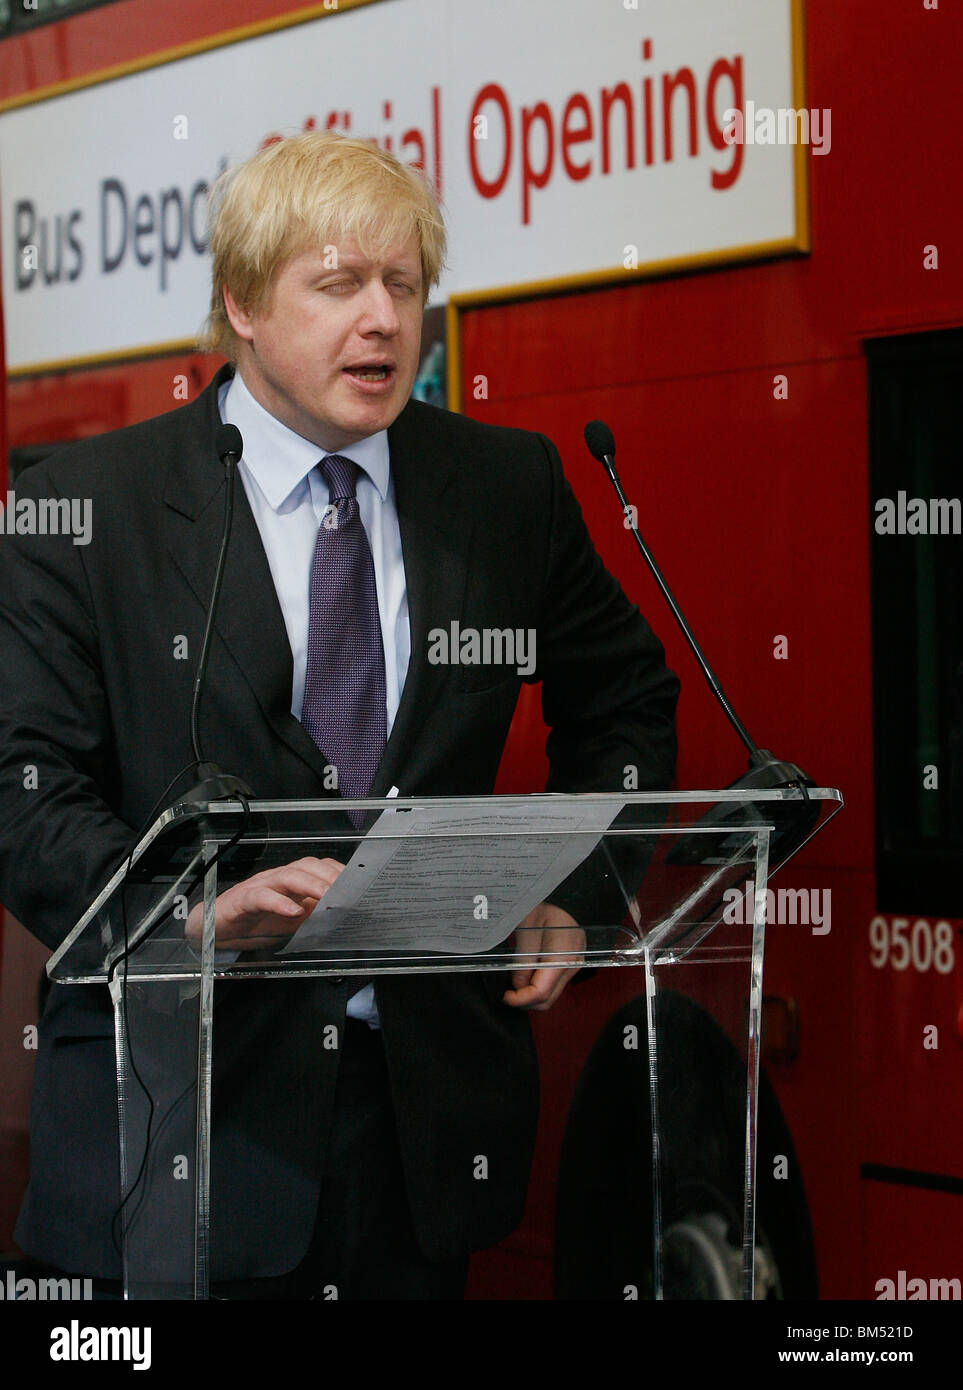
(313, 189)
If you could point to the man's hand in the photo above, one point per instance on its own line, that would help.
(268, 907)
(546, 929)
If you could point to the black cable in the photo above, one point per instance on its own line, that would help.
(123, 958)
(229, 449)
(209, 625)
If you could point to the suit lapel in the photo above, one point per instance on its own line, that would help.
(249, 620)
(435, 539)
(435, 542)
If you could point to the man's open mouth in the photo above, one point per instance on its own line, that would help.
(369, 373)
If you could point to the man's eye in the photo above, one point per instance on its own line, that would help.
(338, 286)
(402, 287)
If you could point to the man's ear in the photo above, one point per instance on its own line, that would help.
(241, 319)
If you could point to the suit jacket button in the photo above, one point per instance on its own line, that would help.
(336, 979)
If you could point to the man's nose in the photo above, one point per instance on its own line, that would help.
(379, 313)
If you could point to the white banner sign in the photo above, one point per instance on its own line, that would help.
(567, 137)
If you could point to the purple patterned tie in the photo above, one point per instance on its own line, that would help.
(344, 685)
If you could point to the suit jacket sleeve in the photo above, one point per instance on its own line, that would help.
(607, 695)
(59, 839)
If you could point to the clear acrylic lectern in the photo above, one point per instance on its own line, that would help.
(442, 885)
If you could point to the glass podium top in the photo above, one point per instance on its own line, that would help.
(451, 883)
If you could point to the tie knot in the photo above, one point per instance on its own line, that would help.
(341, 475)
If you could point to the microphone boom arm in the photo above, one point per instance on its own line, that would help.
(754, 754)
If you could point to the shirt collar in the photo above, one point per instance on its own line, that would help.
(280, 460)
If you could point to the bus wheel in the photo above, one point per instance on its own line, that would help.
(603, 1220)
(702, 1260)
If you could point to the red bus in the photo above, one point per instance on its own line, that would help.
(777, 422)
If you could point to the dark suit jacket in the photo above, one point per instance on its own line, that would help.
(91, 694)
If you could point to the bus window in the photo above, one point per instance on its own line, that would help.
(916, 496)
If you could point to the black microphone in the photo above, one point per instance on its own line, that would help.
(765, 770)
(213, 784)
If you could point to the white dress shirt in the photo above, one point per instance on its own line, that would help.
(288, 495)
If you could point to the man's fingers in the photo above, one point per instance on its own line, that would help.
(526, 941)
(554, 942)
(313, 881)
(263, 902)
(284, 892)
(523, 996)
(560, 953)
(310, 861)
(541, 991)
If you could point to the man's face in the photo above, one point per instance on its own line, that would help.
(335, 352)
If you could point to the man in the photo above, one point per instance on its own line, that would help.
(353, 1168)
